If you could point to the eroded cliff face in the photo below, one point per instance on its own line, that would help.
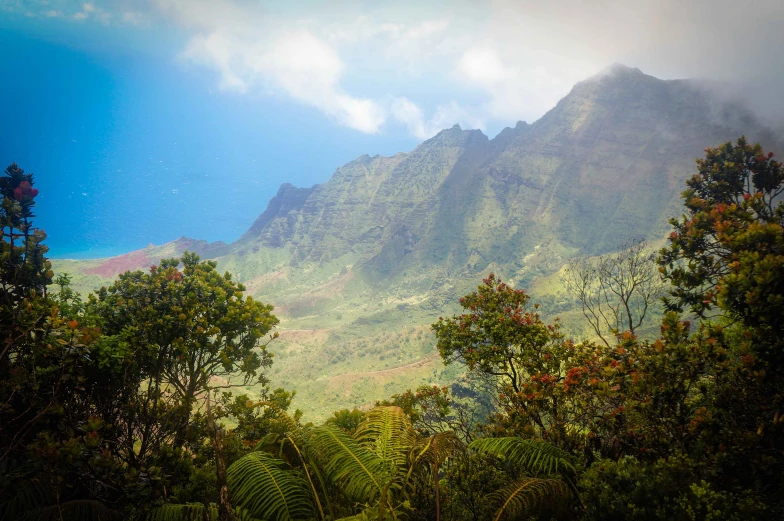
(606, 164)
(358, 267)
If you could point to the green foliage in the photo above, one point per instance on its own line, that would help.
(100, 402)
(58, 453)
(551, 479)
(197, 319)
(187, 332)
(361, 473)
(76, 510)
(536, 457)
(23, 267)
(727, 251)
(188, 512)
(266, 489)
(502, 340)
(669, 488)
(347, 420)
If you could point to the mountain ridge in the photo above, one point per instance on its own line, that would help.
(359, 265)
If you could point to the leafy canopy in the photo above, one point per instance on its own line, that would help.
(727, 251)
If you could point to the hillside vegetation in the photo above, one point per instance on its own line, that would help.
(359, 266)
(124, 406)
(660, 396)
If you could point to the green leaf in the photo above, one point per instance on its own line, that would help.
(262, 485)
(527, 496)
(537, 457)
(361, 472)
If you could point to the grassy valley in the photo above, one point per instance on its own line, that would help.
(359, 267)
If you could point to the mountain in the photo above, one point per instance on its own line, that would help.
(359, 266)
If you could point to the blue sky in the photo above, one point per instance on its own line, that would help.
(147, 120)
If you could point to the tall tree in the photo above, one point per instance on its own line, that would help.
(198, 330)
(503, 338)
(57, 382)
(727, 252)
(24, 275)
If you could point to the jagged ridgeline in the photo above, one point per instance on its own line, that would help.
(359, 266)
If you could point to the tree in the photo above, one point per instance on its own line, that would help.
(727, 252)
(501, 339)
(59, 381)
(23, 267)
(196, 332)
(616, 290)
(24, 274)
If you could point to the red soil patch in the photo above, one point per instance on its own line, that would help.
(116, 265)
(256, 283)
(382, 376)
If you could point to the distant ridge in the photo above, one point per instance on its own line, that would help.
(144, 258)
(358, 266)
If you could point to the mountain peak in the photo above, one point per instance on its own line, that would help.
(620, 73)
(619, 68)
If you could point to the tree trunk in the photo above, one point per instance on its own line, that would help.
(435, 478)
(224, 507)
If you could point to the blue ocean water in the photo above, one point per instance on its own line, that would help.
(130, 148)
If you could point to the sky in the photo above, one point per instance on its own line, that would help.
(147, 120)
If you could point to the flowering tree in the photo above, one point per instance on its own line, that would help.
(503, 338)
(194, 329)
(727, 252)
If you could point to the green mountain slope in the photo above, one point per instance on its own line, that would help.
(359, 266)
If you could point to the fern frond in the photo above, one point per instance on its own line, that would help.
(537, 457)
(371, 514)
(361, 472)
(387, 431)
(362, 516)
(77, 510)
(528, 496)
(261, 485)
(438, 447)
(240, 514)
(25, 499)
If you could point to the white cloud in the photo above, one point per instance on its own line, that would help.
(132, 17)
(294, 62)
(254, 52)
(483, 67)
(411, 115)
(427, 65)
(407, 112)
(89, 10)
(308, 57)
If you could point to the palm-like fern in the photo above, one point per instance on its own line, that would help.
(372, 467)
(428, 455)
(186, 512)
(551, 467)
(263, 486)
(436, 449)
(529, 495)
(388, 432)
(537, 457)
(363, 475)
